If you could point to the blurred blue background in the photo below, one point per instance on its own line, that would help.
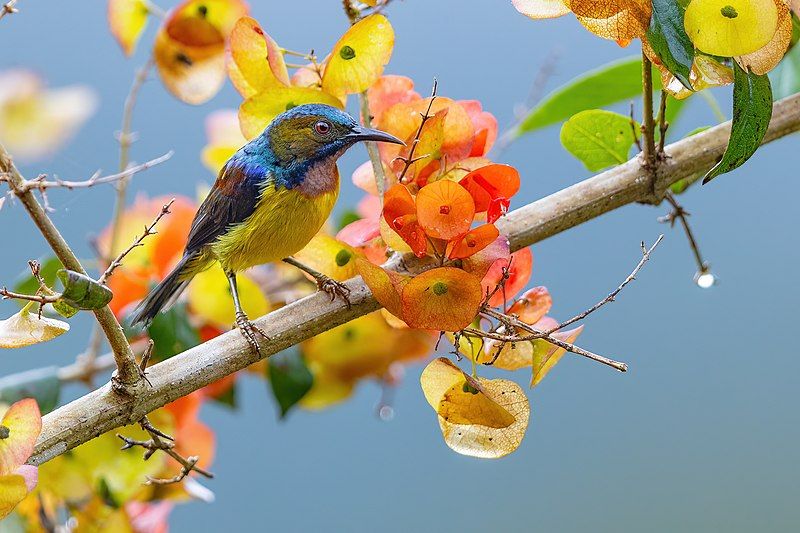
(701, 434)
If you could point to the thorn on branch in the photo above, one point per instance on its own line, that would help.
(410, 160)
(138, 241)
(508, 325)
(41, 184)
(161, 441)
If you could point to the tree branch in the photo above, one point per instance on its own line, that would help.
(127, 379)
(101, 410)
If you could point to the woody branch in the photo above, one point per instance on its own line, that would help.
(101, 410)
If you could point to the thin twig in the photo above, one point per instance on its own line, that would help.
(372, 148)
(127, 380)
(648, 127)
(39, 298)
(646, 252)
(410, 160)
(663, 125)
(138, 241)
(161, 441)
(8, 8)
(679, 213)
(126, 138)
(543, 75)
(40, 183)
(100, 412)
(538, 334)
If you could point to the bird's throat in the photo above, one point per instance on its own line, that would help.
(322, 177)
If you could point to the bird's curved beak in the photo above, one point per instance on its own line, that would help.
(360, 133)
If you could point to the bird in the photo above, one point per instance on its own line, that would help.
(268, 201)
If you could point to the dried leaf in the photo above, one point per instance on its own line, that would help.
(480, 418)
(26, 328)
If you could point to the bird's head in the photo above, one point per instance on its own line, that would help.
(314, 132)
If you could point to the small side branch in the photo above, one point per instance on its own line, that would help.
(161, 441)
(8, 8)
(410, 160)
(646, 253)
(138, 241)
(679, 213)
(41, 184)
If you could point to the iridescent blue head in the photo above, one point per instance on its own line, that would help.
(311, 133)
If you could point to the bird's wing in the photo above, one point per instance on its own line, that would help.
(232, 199)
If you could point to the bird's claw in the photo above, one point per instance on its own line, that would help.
(334, 288)
(250, 330)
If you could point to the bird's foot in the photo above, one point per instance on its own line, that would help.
(250, 331)
(334, 289)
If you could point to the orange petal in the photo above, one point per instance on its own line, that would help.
(533, 305)
(480, 263)
(385, 285)
(445, 299)
(472, 242)
(519, 272)
(445, 209)
(388, 91)
(485, 125)
(491, 188)
(189, 50)
(20, 428)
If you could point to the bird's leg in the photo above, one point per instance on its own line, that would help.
(248, 329)
(324, 283)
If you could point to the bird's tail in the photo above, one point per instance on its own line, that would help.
(164, 295)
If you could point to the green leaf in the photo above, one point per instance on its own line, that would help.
(82, 292)
(669, 41)
(41, 384)
(752, 110)
(289, 378)
(172, 333)
(347, 217)
(599, 138)
(611, 83)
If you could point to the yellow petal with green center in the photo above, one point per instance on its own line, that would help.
(358, 58)
(731, 27)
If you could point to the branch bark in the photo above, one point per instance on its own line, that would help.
(102, 410)
(127, 377)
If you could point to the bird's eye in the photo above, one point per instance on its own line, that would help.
(322, 127)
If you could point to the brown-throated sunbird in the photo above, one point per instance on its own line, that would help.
(270, 198)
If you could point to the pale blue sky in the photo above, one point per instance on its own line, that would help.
(701, 434)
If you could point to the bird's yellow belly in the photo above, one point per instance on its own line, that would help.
(283, 222)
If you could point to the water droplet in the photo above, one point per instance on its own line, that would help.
(386, 413)
(705, 279)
